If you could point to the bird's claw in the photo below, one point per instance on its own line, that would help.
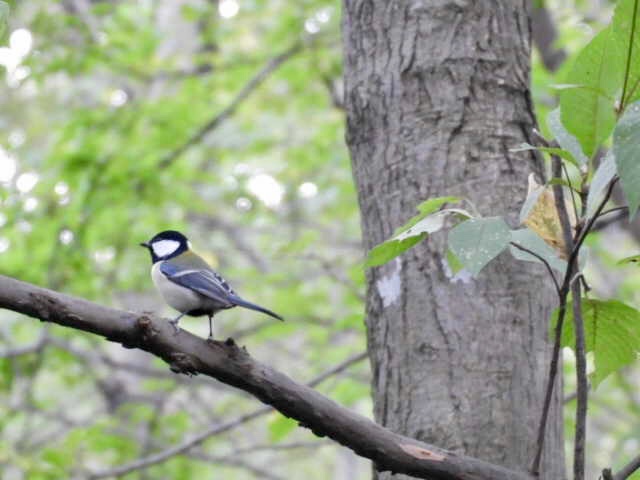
(174, 324)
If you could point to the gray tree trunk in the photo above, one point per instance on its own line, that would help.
(436, 95)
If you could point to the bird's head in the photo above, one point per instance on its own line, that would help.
(167, 244)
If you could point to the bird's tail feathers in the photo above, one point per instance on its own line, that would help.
(252, 306)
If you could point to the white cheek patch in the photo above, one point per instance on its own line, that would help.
(162, 248)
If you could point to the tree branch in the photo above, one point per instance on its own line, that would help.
(545, 34)
(572, 248)
(545, 263)
(37, 346)
(228, 363)
(165, 455)
(230, 109)
(230, 460)
(626, 471)
(582, 383)
(563, 217)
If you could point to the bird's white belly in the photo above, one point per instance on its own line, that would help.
(180, 298)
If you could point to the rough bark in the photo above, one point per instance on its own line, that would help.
(233, 365)
(436, 95)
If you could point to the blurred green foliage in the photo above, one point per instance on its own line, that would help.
(97, 97)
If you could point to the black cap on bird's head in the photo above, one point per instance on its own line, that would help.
(167, 244)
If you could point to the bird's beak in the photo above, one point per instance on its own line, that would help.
(145, 245)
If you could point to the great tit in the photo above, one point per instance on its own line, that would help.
(187, 283)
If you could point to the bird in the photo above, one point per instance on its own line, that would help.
(187, 283)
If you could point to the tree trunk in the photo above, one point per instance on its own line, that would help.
(436, 95)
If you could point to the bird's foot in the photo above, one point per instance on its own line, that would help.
(174, 324)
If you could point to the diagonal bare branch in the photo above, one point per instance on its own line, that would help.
(228, 363)
(625, 472)
(257, 80)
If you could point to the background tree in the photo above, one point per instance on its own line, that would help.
(435, 96)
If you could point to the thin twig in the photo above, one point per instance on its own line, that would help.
(571, 192)
(571, 397)
(585, 284)
(216, 429)
(627, 69)
(582, 384)
(574, 248)
(35, 347)
(553, 373)
(563, 216)
(633, 89)
(615, 209)
(269, 447)
(231, 461)
(589, 225)
(546, 264)
(580, 344)
(581, 365)
(271, 66)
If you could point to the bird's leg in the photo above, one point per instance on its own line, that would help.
(175, 321)
(210, 327)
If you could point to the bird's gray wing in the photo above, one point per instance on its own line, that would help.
(203, 281)
(208, 283)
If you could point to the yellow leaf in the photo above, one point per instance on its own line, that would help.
(543, 217)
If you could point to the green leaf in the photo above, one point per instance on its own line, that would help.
(57, 458)
(560, 152)
(622, 26)
(530, 240)
(626, 149)
(612, 333)
(4, 20)
(390, 249)
(415, 230)
(604, 174)
(567, 141)
(425, 208)
(478, 241)
(280, 426)
(589, 112)
(563, 182)
(433, 204)
(431, 223)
